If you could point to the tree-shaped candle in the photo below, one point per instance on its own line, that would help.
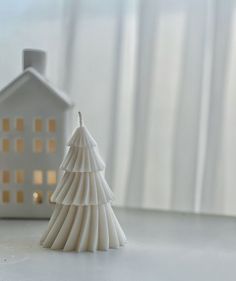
(83, 219)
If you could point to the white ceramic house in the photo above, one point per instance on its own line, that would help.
(32, 136)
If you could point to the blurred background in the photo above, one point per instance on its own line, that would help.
(156, 82)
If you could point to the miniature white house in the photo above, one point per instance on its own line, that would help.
(32, 120)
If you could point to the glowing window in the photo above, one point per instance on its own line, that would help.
(49, 196)
(38, 145)
(38, 177)
(5, 145)
(5, 196)
(51, 146)
(19, 196)
(20, 176)
(51, 177)
(19, 145)
(5, 176)
(20, 124)
(38, 125)
(6, 124)
(37, 197)
(52, 125)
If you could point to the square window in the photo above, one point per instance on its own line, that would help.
(5, 196)
(38, 177)
(38, 125)
(19, 145)
(51, 177)
(5, 176)
(20, 196)
(20, 124)
(38, 145)
(5, 124)
(37, 197)
(51, 145)
(5, 145)
(52, 125)
(20, 176)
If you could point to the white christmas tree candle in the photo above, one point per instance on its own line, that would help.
(83, 219)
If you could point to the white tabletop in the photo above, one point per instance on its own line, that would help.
(162, 247)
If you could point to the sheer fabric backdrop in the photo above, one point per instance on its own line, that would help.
(155, 80)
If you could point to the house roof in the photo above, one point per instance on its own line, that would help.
(16, 83)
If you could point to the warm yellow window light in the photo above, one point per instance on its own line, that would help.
(49, 196)
(52, 125)
(5, 196)
(38, 125)
(38, 177)
(5, 145)
(19, 145)
(5, 176)
(5, 124)
(20, 196)
(38, 145)
(51, 177)
(20, 124)
(51, 145)
(37, 197)
(20, 176)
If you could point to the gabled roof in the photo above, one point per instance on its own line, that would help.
(16, 83)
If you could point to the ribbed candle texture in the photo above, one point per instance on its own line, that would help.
(83, 219)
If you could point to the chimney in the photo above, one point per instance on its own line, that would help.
(34, 58)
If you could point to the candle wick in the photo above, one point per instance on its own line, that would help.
(80, 119)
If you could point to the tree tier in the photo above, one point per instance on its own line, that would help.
(82, 189)
(81, 138)
(83, 228)
(82, 159)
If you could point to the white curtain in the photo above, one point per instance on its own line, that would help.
(155, 80)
